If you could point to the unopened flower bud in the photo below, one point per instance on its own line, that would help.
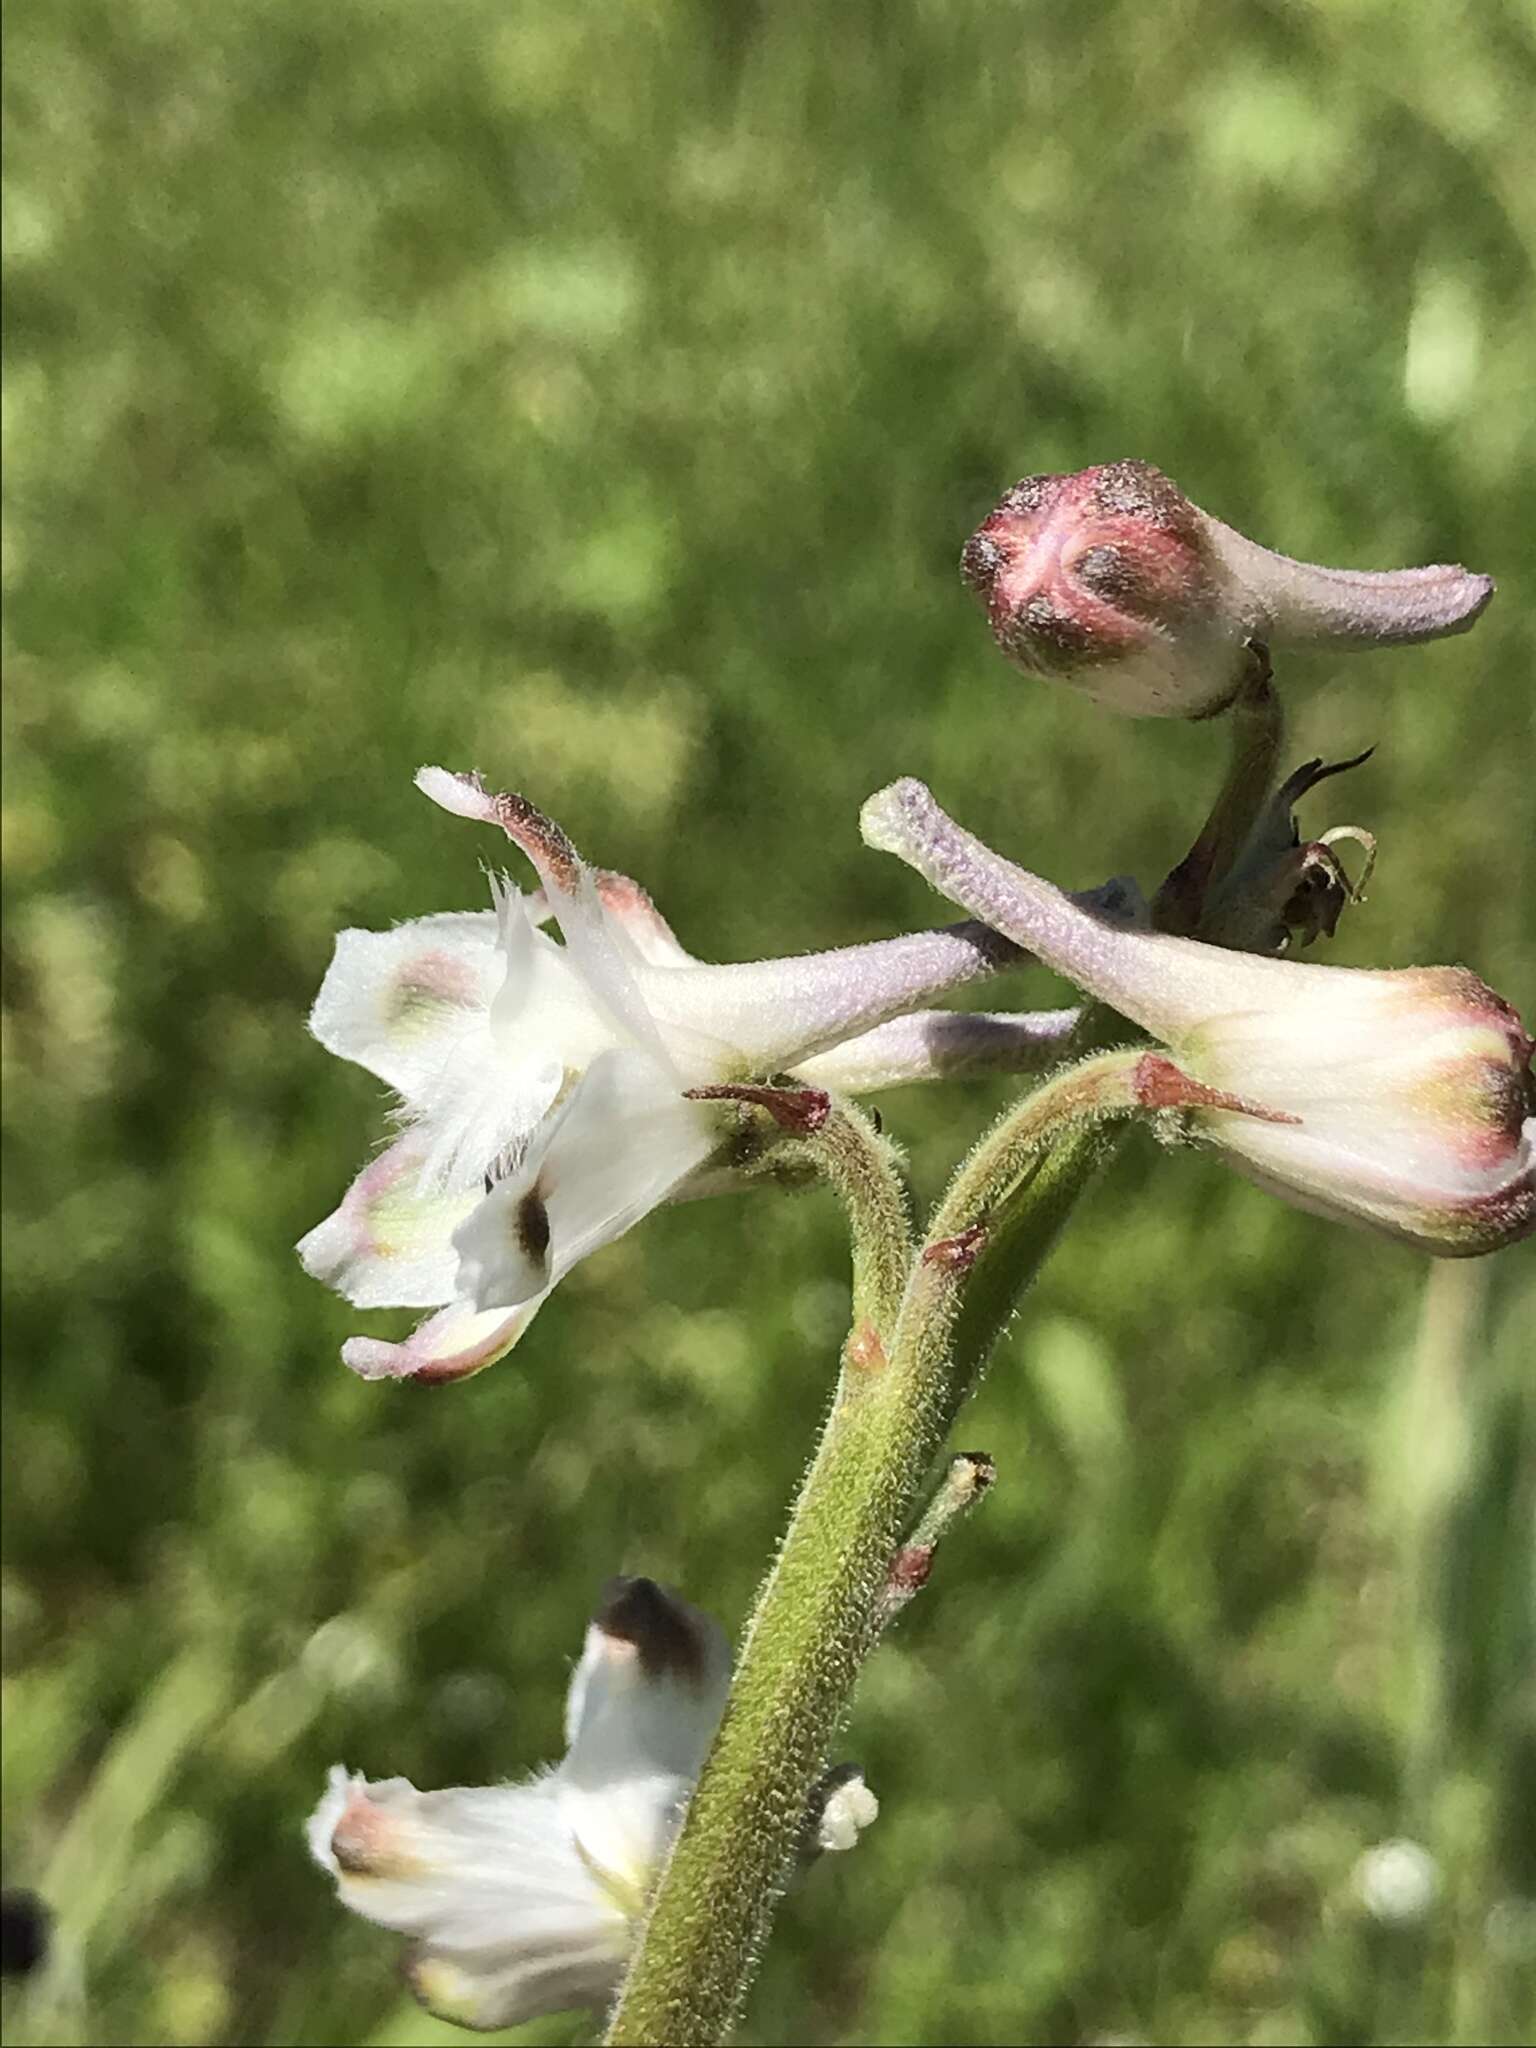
(851, 1807)
(1399, 1099)
(1111, 580)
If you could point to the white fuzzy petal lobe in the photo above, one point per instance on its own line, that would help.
(500, 1896)
(388, 1245)
(623, 1140)
(454, 1344)
(488, 1989)
(411, 1003)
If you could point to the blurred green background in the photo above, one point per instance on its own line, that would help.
(600, 396)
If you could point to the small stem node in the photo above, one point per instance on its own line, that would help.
(969, 1477)
(959, 1253)
(864, 1354)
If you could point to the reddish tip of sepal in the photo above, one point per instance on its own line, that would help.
(801, 1111)
(1159, 1084)
(959, 1253)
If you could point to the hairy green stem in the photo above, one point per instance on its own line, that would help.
(1011, 1157)
(862, 1166)
(820, 1610)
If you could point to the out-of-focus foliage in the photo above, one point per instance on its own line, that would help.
(600, 396)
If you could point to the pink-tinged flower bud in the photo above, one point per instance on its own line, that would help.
(1398, 1099)
(1413, 1095)
(1112, 581)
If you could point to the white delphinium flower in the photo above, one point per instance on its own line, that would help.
(1398, 1099)
(545, 1087)
(522, 1899)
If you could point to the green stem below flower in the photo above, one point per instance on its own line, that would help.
(819, 1613)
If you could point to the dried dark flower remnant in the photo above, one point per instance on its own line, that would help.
(1113, 581)
(1282, 891)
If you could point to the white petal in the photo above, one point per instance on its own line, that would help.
(415, 1006)
(544, 1013)
(648, 1692)
(1389, 1176)
(564, 1957)
(321, 1825)
(520, 1980)
(623, 1830)
(468, 1868)
(452, 1345)
(603, 958)
(406, 1003)
(486, 1104)
(388, 1245)
(622, 1141)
